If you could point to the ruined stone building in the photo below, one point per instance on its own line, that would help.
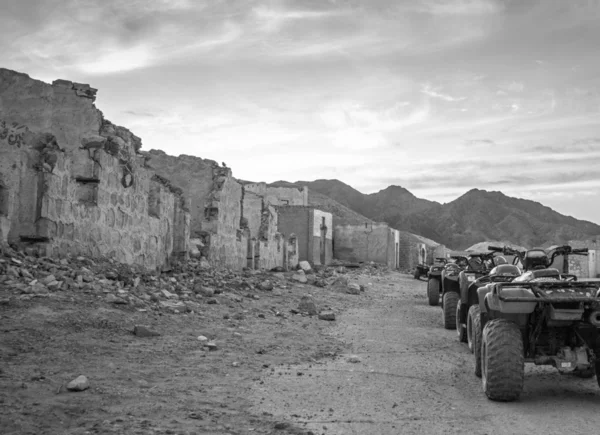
(313, 229)
(72, 182)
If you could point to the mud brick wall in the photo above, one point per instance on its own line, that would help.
(74, 183)
(252, 211)
(280, 195)
(409, 251)
(291, 255)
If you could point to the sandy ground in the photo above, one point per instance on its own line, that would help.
(414, 377)
(385, 366)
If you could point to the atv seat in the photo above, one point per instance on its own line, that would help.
(493, 301)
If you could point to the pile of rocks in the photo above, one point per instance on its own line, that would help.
(179, 289)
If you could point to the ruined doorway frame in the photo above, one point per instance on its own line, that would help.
(323, 244)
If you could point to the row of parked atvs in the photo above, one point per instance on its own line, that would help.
(510, 314)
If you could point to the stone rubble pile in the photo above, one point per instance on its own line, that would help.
(181, 289)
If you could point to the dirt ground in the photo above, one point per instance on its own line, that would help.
(384, 366)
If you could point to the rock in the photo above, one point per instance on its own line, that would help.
(144, 331)
(340, 269)
(202, 338)
(111, 299)
(307, 305)
(204, 264)
(212, 301)
(327, 315)
(353, 359)
(278, 269)
(175, 306)
(305, 266)
(353, 289)
(80, 383)
(167, 294)
(340, 285)
(47, 280)
(204, 291)
(363, 288)
(266, 285)
(300, 277)
(211, 345)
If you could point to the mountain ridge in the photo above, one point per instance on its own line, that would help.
(470, 218)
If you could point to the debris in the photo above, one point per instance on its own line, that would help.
(144, 331)
(307, 305)
(327, 315)
(80, 383)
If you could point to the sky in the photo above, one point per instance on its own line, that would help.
(435, 96)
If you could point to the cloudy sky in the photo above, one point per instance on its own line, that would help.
(436, 96)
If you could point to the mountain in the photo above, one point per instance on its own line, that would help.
(475, 216)
(342, 214)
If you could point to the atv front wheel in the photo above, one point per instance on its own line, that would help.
(449, 302)
(461, 330)
(417, 274)
(502, 361)
(474, 336)
(433, 291)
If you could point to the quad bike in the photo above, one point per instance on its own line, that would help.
(434, 278)
(421, 269)
(495, 270)
(542, 317)
(473, 266)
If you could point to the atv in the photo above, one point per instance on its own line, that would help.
(421, 269)
(471, 267)
(495, 269)
(434, 278)
(541, 317)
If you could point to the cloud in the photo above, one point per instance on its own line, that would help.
(460, 7)
(433, 92)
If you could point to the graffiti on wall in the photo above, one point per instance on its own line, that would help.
(13, 133)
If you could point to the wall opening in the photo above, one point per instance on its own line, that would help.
(87, 190)
(154, 200)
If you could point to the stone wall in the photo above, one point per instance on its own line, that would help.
(279, 195)
(73, 182)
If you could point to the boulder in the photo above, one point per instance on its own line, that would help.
(307, 305)
(305, 266)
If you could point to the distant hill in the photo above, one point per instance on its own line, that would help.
(475, 216)
(341, 213)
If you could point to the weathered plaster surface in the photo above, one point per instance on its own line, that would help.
(279, 195)
(74, 182)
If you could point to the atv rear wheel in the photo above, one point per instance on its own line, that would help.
(474, 336)
(433, 291)
(449, 302)
(461, 330)
(417, 274)
(502, 361)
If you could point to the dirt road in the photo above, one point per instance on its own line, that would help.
(405, 374)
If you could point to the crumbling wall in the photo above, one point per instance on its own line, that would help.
(193, 175)
(74, 182)
(280, 196)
